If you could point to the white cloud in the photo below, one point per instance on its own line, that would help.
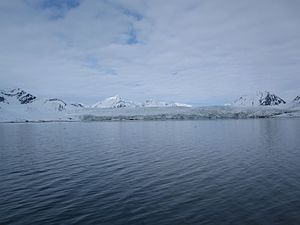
(201, 52)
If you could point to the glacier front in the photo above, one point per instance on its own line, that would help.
(19, 106)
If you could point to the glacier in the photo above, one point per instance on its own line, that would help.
(184, 113)
(19, 106)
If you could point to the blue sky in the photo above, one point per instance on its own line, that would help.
(202, 52)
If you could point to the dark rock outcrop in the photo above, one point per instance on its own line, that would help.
(78, 105)
(297, 100)
(2, 99)
(61, 105)
(25, 99)
(22, 96)
(271, 99)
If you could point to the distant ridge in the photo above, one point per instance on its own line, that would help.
(114, 102)
(16, 98)
(261, 98)
(118, 102)
(17, 105)
(297, 100)
(22, 96)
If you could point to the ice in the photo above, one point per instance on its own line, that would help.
(20, 106)
(182, 113)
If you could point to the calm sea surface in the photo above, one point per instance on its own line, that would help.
(165, 172)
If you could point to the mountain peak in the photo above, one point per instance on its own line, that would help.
(22, 96)
(118, 102)
(114, 102)
(297, 99)
(115, 97)
(153, 103)
(261, 98)
(270, 99)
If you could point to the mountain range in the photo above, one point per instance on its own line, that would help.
(261, 98)
(18, 98)
(118, 102)
(19, 105)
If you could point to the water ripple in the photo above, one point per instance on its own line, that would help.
(179, 172)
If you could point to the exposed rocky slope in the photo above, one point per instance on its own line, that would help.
(261, 98)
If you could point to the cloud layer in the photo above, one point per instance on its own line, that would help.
(199, 52)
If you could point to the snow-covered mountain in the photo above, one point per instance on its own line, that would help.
(118, 102)
(153, 103)
(177, 104)
(261, 98)
(16, 96)
(19, 105)
(115, 102)
(16, 99)
(297, 100)
(56, 104)
(19, 98)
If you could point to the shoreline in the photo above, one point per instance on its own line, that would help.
(140, 120)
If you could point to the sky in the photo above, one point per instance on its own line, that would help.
(201, 52)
